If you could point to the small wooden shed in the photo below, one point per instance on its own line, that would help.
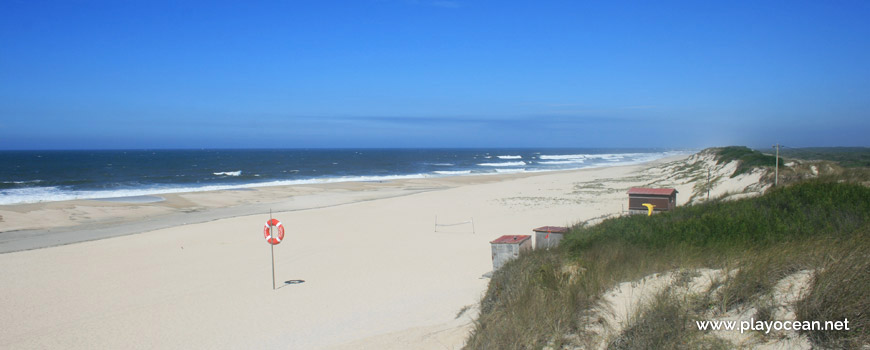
(509, 247)
(663, 199)
(549, 236)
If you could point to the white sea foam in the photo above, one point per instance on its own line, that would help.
(510, 157)
(601, 160)
(557, 162)
(503, 164)
(22, 182)
(606, 156)
(510, 171)
(229, 173)
(457, 172)
(53, 194)
(442, 164)
(564, 156)
(610, 156)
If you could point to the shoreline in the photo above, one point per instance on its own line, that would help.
(148, 195)
(183, 208)
(367, 268)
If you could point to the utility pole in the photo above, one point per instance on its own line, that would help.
(708, 184)
(776, 170)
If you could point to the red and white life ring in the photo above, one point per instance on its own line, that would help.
(279, 234)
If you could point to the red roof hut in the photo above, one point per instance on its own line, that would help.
(549, 236)
(507, 248)
(663, 199)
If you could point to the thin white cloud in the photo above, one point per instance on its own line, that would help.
(588, 106)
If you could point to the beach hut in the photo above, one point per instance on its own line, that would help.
(549, 236)
(508, 247)
(663, 199)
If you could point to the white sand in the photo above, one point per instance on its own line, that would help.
(375, 274)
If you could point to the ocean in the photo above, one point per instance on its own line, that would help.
(41, 176)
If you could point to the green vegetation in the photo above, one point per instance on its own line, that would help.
(747, 159)
(664, 323)
(841, 290)
(849, 157)
(796, 212)
(544, 298)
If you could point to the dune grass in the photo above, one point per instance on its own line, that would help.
(841, 290)
(543, 299)
(747, 159)
(849, 157)
(666, 322)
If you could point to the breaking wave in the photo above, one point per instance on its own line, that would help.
(503, 164)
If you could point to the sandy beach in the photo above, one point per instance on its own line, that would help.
(365, 266)
(144, 145)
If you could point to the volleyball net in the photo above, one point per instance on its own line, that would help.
(451, 224)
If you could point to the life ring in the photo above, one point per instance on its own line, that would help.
(267, 232)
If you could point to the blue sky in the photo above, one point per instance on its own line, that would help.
(403, 73)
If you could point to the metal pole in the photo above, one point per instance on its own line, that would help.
(776, 170)
(708, 184)
(273, 267)
(272, 234)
